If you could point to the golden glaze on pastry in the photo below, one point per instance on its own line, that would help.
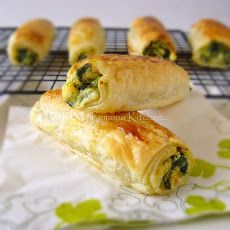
(86, 38)
(113, 83)
(128, 146)
(31, 42)
(148, 36)
(210, 42)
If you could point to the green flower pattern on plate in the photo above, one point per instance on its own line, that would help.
(224, 149)
(199, 204)
(89, 212)
(203, 168)
(86, 211)
(206, 169)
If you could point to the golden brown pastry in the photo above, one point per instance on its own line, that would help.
(86, 38)
(128, 146)
(148, 36)
(31, 42)
(210, 42)
(112, 83)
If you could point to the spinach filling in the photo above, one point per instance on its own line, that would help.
(215, 52)
(157, 49)
(86, 86)
(88, 77)
(26, 57)
(177, 161)
(81, 57)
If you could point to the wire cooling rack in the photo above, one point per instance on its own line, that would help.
(116, 39)
(51, 72)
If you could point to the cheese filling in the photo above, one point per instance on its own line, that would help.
(157, 49)
(216, 53)
(83, 89)
(26, 57)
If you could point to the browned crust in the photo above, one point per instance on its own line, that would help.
(32, 30)
(113, 58)
(145, 26)
(212, 28)
(32, 35)
(119, 58)
(86, 22)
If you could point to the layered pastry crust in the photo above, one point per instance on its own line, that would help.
(112, 83)
(128, 147)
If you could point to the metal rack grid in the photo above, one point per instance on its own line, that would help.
(51, 72)
(116, 39)
(213, 83)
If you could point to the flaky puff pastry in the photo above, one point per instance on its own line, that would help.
(31, 42)
(124, 83)
(146, 30)
(86, 38)
(128, 147)
(203, 34)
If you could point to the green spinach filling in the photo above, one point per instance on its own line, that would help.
(177, 161)
(215, 52)
(86, 86)
(81, 56)
(88, 77)
(26, 57)
(157, 49)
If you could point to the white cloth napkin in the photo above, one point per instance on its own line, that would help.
(37, 176)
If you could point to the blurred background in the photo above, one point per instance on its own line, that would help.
(174, 14)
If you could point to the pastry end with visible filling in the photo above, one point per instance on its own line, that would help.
(81, 54)
(158, 49)
(173, 170)
(83, 87)
(26, 57)
(215, 54)
(178, 165)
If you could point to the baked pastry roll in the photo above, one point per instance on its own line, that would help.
(210, 42)
(31, 42)
(148, 36)
(86, 38)
(128, 146)
(112, 83)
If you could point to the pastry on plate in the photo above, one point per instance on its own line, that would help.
(128, 146)
(148, 36)
(31, 42)
(210, 42)
(86, 38)
(112, 83)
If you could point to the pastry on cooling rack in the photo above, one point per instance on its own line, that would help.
(111, 83)
(31, 42)
(210, 42)
(86, 38)
(148, 36)
(127, 146)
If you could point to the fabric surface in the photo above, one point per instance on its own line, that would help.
(43, 186)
